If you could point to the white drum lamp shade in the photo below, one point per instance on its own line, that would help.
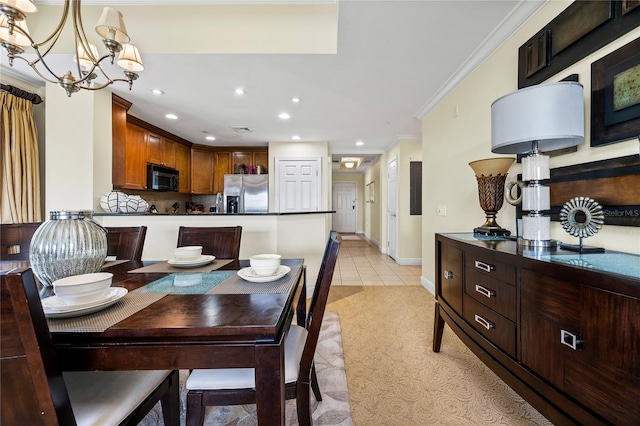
(539, 118)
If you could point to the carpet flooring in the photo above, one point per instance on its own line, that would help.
(333, 410)
(394, 376)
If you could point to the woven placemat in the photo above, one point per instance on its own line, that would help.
(110, 263)
(102, 320)
(165, 268)
(236, 285)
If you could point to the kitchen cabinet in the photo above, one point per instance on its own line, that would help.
(183, 165)
(128, 149)
(222, 166)
(250, 158)
(161, 151)
(564, 333)
(135, 172)
(202, 171)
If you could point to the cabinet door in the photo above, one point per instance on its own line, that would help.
(154, 149)
(119, 144)
(244, 158)
(450, 279)
(221, 166)
(201, 172)
(183, 163)
(169, 153)
(261, 158)
(135, 158)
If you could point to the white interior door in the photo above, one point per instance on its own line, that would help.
(298, 185)
(343, 200)
(392, 222)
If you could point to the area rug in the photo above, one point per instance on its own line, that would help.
(334, 408)
(351, 237)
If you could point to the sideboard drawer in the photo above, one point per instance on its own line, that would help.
(498, 329)
(497, 295)
(484, 263)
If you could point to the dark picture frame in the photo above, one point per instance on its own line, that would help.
(615, 96)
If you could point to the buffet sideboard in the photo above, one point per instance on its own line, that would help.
(562, 329)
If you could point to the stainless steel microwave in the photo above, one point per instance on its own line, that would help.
(162, 178)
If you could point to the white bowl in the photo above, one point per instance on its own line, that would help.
(83, 288)
(265, 264)
(188, 252)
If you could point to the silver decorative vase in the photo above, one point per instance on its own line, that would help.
(69, 243)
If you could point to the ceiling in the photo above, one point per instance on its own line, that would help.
(395, 60)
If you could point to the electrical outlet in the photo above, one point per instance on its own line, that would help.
(442, 211)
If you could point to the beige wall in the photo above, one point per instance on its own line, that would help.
(451, 141)
(77, 149)
(374, 211)
(360, 205)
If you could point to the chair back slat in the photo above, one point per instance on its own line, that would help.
(318, 303)
(126, 242)
(223, 242)
(39, 373)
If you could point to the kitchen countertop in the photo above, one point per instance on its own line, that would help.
(211, 214)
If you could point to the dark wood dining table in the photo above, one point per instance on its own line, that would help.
(189, 331)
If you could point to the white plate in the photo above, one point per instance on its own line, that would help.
(54, 307)
(250, 275)
(201, 261)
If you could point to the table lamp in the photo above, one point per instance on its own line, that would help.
(539, 118)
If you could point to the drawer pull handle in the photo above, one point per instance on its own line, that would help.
(485, 291)
(569, 339)
(448, 274)
(483, 322)
(484, 266)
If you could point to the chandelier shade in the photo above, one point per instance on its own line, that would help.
(15, 39)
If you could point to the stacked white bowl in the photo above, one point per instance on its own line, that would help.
(85, 288)
(187, 253)
(265, 264)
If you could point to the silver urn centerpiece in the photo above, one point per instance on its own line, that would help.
(69, 243)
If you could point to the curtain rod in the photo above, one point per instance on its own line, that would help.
(35, 99)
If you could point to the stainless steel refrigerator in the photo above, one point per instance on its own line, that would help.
(246, 193)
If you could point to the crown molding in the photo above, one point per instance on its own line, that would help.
(505, 29)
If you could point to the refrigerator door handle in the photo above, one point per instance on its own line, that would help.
(241, 202)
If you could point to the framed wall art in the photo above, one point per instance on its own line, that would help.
(615, 96)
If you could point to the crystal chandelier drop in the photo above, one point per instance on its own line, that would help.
(15, 38)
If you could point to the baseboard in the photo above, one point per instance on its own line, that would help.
(431, 287)
(409, 261)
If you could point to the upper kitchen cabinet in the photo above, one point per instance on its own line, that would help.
(161, 151)
(183, 165)
(221, 166)
(128, 149)
(202, 161)
(249, 158)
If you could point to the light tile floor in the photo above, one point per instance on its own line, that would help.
(361, 263)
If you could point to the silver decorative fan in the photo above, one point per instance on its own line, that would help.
(581, 217)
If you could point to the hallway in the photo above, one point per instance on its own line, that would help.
(361, 263)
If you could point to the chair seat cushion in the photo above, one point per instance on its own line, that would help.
(243, 378)
(108, 397)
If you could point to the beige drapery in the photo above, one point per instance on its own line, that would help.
(20, 178)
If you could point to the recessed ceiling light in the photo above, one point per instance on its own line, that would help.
(157, 92)
(171, 116)
(349, 164)
(239, 91)
(210, 138)
(296, 100)
(284, 116)
(359, 143)
(295, 137)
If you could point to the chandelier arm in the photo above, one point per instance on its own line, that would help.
(95, 65)
(44, 64)
(80, 34)
(56, 33)
(37, 71)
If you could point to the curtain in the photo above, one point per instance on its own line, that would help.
(20, 178)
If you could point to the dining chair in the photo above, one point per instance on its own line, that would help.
(223, 242)
(126, 242)
(236, 386)
(36, 391)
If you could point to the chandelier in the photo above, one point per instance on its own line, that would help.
(14, 37)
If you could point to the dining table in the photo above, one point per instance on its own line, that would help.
(176, 318)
